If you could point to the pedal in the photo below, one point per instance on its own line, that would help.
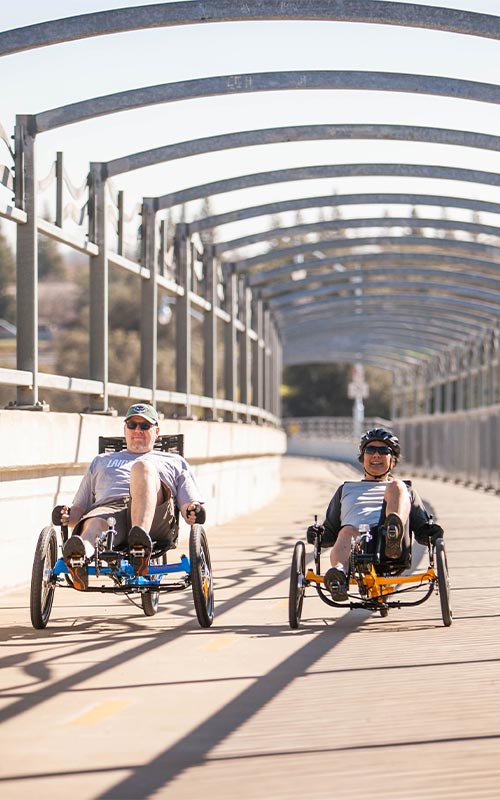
(77, 561)
(137, 551)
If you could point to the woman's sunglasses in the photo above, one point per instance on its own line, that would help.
(371, 449)
(144, 426)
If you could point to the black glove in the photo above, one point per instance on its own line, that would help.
(429, 533)
(56, 515)
(200, 514)
(313, 531)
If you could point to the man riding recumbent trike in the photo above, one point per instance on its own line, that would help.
(124, 520)
(368, 526)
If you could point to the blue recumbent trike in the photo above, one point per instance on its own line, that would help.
(114, 564)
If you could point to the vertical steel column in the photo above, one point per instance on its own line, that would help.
(210, 330)
(59, 189)
(245, 294)
(230, 360)
(98, 289)
(267, 360)
(183, 315)
(278, 373)
(258, 357)
(27, 261)
(121, 222)
(149, 299)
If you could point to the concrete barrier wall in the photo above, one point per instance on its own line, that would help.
(321, 447)
(44, 456)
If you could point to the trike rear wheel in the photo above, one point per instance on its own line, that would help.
(201, 576)
(443, 582)
(42, 585)
(297, 585)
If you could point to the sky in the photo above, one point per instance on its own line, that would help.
(54, 76)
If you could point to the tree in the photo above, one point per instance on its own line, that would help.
(320, 390)
(7, 279)
(50, 260)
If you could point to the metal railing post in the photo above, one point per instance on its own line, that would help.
(98, 289)
(27, 262)
(210, 330)
(183, 316)
(230, 360)
(149, 300)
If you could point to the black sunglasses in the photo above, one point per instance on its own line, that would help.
(144, 426)
(371, 449)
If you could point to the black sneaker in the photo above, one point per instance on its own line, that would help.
(139, 546)
(76, 562)
(336, 583)
(393, 527)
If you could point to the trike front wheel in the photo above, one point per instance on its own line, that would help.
(297, 585)
(42, 583)
(443, 582)
(201, 576)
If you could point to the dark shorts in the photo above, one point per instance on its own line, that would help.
(164, 530)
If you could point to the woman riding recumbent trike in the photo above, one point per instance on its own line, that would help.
(368, 525)
(114, 562)
(375, 583)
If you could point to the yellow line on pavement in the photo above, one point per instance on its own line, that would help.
(221, 641)
(100, 712)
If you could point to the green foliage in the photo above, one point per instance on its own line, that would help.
(7, 278)
(320, 390)
(50, 260)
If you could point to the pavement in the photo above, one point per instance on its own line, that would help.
(108, 703)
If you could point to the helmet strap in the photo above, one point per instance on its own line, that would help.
(378, 477)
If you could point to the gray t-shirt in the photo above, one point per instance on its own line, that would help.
(362, 502)
(108, 478)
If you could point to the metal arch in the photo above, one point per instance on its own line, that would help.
(475, 326)
(190, 13)
(473, 309)
(365, 330)
(438, 243)
(454, 330)
(334, 200)
(260, 278)
(323, 171)
(491, 299)
(432, 343)
(297, 133)
(356, 279)
(383, 358)
(335, 80)
(352, 223)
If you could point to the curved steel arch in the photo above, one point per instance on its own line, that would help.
(473, 309)
(297, 133)
(361, 278)
(335, 80)
(352, 223)
(438, 243)
(491, 300)
(257, 279)
(190, 13)
(323, 171)
(327, 201)
(453, 328)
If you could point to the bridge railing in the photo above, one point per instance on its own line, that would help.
(462, 446)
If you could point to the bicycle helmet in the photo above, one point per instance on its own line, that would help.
(379, 435)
